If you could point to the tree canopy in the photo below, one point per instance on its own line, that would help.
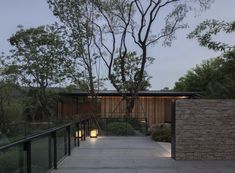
(40, 60)
(40, 56)
(214, 78)
(205, 31)
(112, 26)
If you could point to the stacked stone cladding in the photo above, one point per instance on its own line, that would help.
(205, 129)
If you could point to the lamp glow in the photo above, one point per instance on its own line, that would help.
(93, 133)
(79, 134)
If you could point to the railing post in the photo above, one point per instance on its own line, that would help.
(88, 127)
(27, 148)
(77, 138)
(106, 128)
(69, 139)
(55, 149)
(84, 130)
(126, 127)
(65, 142)
(25, 129)
(146, 125)
(49, 152)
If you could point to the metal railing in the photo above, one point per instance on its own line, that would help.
(41, 146)
(41, 151)
(120, 126)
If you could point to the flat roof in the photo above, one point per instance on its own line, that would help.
(140, 93)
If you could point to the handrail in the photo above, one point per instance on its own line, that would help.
(52, 132)
(43, 133)
(46, 132)
(70, 128)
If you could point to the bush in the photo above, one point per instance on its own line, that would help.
(120, 129)
(14, 111)
(135, 123)
(162, 135)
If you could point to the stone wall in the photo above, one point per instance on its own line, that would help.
(205, 129)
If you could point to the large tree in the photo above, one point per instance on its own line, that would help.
(116, 25)
(137, 22)
(40, 59)
(76, 18)
(131, 71)
(76, 22)
(214, 78)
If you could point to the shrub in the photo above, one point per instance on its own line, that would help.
(14, 111)
(135, 123)
(120, 129)
(162, 135)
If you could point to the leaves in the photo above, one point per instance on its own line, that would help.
(204, 32)
(131, 70)
(39, 56)
(215, 78)
(40, 60)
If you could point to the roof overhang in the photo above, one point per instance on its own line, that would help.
(141, 93)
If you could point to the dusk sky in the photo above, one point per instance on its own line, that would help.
(171, 62)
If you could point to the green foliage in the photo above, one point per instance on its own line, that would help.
(77, 25)
(126, 72)
(10, 104)
(40, 56)
(204, 32)
(127, 78)
(14, 110)
(214, 78)
(162, 135)
(40, 59)
(110, 25)
(120, 129)
(33, 107)
(135, 123)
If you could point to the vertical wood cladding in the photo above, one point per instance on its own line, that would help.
(155, 108)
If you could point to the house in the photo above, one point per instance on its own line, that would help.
(155, 106)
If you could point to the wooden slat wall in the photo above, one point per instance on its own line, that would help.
(155, 109)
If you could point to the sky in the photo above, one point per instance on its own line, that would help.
(171, 62)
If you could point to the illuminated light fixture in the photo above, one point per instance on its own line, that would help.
(94, 133)
(79, 134)
(183, 97)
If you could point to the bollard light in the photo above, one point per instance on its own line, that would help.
(93, 133)
(79, 133)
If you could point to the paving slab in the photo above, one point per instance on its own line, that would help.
(133, 155)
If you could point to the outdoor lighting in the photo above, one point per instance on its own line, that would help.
(93, 133)
(79, 134)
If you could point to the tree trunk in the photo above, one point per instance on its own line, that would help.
(45, 113)
(130, 103)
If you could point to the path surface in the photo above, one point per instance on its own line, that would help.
(133, 155)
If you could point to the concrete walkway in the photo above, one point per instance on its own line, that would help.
(133, 155)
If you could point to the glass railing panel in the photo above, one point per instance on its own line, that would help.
(33, 128)
(12, 160)
(73, 130)
(41, 157)
(61, 143)
(11, 133)
(102, 126)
